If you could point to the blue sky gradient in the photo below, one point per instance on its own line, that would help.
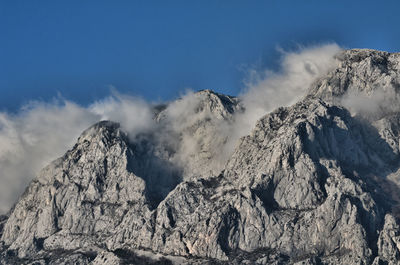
(156, 49)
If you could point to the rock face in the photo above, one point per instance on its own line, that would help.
(359, 71)
(314, 183)
(199, 131)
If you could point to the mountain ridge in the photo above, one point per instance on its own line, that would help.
(314, 183)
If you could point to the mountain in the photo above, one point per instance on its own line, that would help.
(314, 183)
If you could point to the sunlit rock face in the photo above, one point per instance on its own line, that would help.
(359, 71)
(314, 183)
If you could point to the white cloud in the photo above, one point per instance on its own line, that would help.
(32, 138)
(269, 90)
(135, 115)
(373, 105)
(41, 132)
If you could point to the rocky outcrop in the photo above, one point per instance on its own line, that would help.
(197, 123)
(360, 71)
(314, 183)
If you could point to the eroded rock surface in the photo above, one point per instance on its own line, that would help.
(314, 183)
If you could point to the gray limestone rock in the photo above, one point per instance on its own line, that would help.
(314, 183)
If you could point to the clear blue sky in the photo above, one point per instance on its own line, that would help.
(155, 49)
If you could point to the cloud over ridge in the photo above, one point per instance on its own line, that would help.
(41, 132)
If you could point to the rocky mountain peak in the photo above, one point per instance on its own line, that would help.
(358, 55)
(311, 184)
(102, 130)
(204, 102)
(223, 104)
(361, 72)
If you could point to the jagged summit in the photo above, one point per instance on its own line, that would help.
(206, 102)
(313, 183)
(359, 54)
(361, 72)
(101, 128)
(216, 100)
(194, 122)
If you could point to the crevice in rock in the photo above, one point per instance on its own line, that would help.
(130, 257)
(160, 175)
(265, 192)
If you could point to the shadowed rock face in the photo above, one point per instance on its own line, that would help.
(314, 183)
